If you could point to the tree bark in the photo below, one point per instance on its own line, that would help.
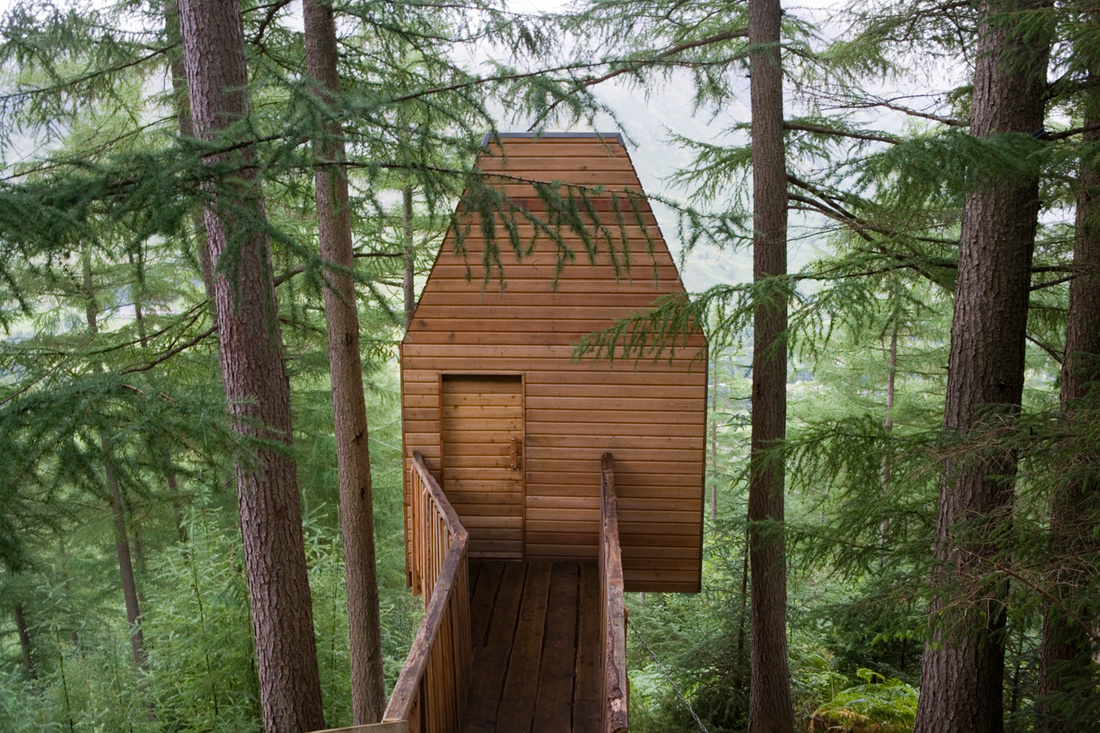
(1066, 649)
(26, 641)
(888, 427)
(963, 665)
(409, 275)
(714, 443)
(253, 374)
(770, 708)
(125, 564)
(182, 104)
(66, 584)
(346, 372)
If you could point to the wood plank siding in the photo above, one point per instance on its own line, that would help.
(517, 334)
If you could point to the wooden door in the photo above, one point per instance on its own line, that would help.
(482, 446)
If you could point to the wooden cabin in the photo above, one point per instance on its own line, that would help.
(511, 425)
(539, 487)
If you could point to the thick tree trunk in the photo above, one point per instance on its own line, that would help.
(254, 376)
(963, 666)
(1065, 655)
(26, 641)
(346, 372)
(770, 708)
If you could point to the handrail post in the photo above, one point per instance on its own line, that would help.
(612, 605)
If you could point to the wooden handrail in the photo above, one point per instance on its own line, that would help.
(612, 605)
(399, 726)
(431, 691)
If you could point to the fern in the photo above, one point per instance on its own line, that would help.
(879, 705)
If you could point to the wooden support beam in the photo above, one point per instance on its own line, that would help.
(613, 608)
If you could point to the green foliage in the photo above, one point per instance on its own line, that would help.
(880, 704)
(197, 625)
(109, 186)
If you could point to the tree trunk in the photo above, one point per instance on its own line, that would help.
(118, 511)
(888, 427)
(183, 121)
(714, 444)
(26, 641)
(409, 278)
(166, 456)
(346, 372)
(770, 708)
(198, 228)
(962, 669)
(739, 679)
(254, 375)
(139, 314)
(66, 584)
(1065, 654)
(125, 564)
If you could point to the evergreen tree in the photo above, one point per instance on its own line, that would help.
(253, 370)
(1066, 686)
(962, 672)
(346, 370)
(769, 691)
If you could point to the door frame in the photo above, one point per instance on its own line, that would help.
(523, 436)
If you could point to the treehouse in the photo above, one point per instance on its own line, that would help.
(540, 484)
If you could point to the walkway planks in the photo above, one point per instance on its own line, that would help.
(536, 637)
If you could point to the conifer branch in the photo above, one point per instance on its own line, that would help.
(271, 10)
(1063, 134)
(67, 83)
(298, 270)
(1037, 588)
(632, 65)
(172, 352)
(191, 315)
(822, 130)
(26, 387)
(1050, 283)
(890, 105)
(834, 214)
(1050, 350)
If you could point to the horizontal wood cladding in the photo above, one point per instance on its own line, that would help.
(481, 417)
(523, 323)
(637, 282)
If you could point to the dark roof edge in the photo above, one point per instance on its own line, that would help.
(613, 136)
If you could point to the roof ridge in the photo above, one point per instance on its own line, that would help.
(614, 136)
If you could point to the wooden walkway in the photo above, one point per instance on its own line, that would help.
(536, 638)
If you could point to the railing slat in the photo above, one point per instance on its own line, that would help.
(431, 691)
(612, 607)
